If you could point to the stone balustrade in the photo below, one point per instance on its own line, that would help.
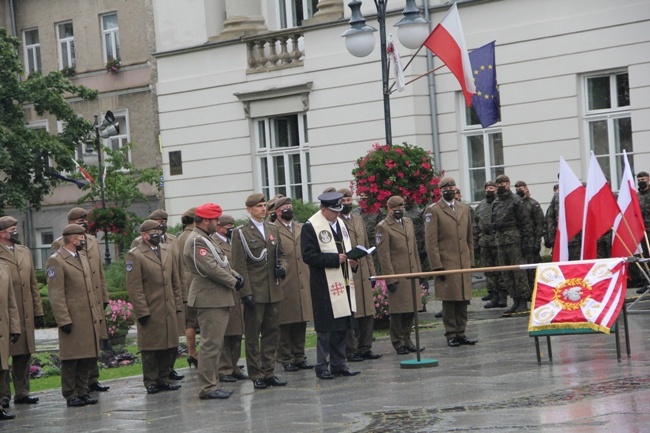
(274, 51)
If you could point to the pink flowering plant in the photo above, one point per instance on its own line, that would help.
(380, 296)
(119, 317)
(404, 170)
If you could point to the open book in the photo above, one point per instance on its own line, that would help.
(359, 251)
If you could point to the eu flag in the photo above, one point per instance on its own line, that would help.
(486, 99)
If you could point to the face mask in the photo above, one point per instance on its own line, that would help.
(84, 225)
(521, 193)
(347, 208)
(229, 232)
(273, 217)
(489, 194)
(287, 214)
(398, 214)
(501, 189)
(642, 184)
(448, 195)
(81, 246)
(154, 239)
(163, 228)
(13, 238)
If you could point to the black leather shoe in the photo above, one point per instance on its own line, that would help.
(98, 387)
(169, 387)
(355, 358)
(291, 367)
(152, 389)
(259, 384)
(274, 381)
(487, 297)
(345, 372)
(88, 400)
(175, 376)
(303, 365)
(641, 290)
(325, 374)
(453, 342)
(217, 393)
(414, 349)
(26, 400)
(402, 350)
(465, 340)
(240, 376)
(75, 402)
(5, 403)
(6, 416)
(227, 378)
(371, 355)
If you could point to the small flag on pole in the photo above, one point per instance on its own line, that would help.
(397, 64)
(83, 172)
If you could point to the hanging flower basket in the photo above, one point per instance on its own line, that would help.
(109, 220)
(113, 66)
(404, 170)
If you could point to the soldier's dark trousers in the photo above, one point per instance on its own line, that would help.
(20, 375)
(213, 322)
(230, 354)
(400, 329)
(262, 329)
(454, 317)
(515, 281)
(359, 340)
(291, 345)
(74, 376)
(156, 366)
(330, 351)
(489, 259)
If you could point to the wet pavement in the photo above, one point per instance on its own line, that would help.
(496, 385)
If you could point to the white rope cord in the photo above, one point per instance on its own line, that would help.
(248, 251)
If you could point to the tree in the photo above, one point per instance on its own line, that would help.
(26, 154)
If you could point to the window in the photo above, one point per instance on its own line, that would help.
(32, 51)
(111, 37)
(609, 122)
(119, 141)
(294, 12)
(283, 156)
(43, 250)
(65, 35)
(484, 154)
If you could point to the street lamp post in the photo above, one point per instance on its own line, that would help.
(360, 41)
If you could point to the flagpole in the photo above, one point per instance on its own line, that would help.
(418, 77)
(637, 263)
(629, 229)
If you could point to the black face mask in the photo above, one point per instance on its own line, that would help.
(521, 193)
(84, 224)
(448, 195)
(501, 190)
(642, 185)
(489, 194)
(287, 214)
(398, 214)
(163, 228)
(229, 232)
(154, 239)
(347, 208)
(13, 238)
(273, 217)
(81, 246)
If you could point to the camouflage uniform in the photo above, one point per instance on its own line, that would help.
(538, 227)
(644, 202)
(485, 241)
(513, 235)
(552, 214)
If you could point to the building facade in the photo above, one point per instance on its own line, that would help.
(263, 96)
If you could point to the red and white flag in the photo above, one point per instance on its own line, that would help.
(447, 41)
(83, 172)
(393, 55)
(600, 212)
(569, 223)
(629, 228)
(578, 295)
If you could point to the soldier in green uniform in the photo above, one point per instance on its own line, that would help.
(537, 219)
(643, 183)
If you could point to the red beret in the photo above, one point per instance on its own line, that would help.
(209, 211)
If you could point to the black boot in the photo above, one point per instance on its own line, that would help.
(494, 303)
(513, 308)
(488, 297)
(522, 307)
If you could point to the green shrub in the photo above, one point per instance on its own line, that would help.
(49, 320)
(304, 211)
(114, 296)
(115, 276)
(41, 277)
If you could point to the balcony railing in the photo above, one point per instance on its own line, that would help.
(274, 51)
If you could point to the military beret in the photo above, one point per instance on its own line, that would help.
(502, 178)
(191, 212)
(254, 199)
(643, 174)
(209, 211)
(224, 220)
(489, 183)
(7, 221)
(73, 229)
(395, 201)
(329, 189)
(331, 200)
(520, 183)
(446, 181)
(281, 201)
(76, 213)
(346, 192)
(271, 202)
(158, 214)
(149, 225)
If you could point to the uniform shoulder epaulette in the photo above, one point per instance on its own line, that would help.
(381, 222)
(241, 226)
(132, 250)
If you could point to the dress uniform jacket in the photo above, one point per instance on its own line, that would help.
(398, 254)
(28, 298)
(259, 276)
(236, 320)
(212, 285)
(362, 286)
(73, 301)
(185, 275)
(9, 318)
(152, 283)
(296, 305)
(450, 245)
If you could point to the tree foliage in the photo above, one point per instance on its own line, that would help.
(26, 154)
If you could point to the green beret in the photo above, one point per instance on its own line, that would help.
(7, 221)
(158, 214)
(281, 201)
(73, 229)
(191, 212)
(330, 189)
(76, 213)
(520, 183)
(446, 181)
(395, 201)
(224, 220)
(254, 199)
(502, 178)
(149, 225)
(346, 192)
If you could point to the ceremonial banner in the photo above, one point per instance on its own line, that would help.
(587, 294)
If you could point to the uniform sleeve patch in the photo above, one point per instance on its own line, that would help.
(50, 272)
(203, 252)
(129, 265)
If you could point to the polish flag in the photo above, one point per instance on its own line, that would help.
(569, 224)
(447, 41)
(600, 211)
(629, 228)
(83, 172)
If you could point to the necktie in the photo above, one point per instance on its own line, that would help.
(453, 207)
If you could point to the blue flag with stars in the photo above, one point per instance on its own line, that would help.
(486, 99)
